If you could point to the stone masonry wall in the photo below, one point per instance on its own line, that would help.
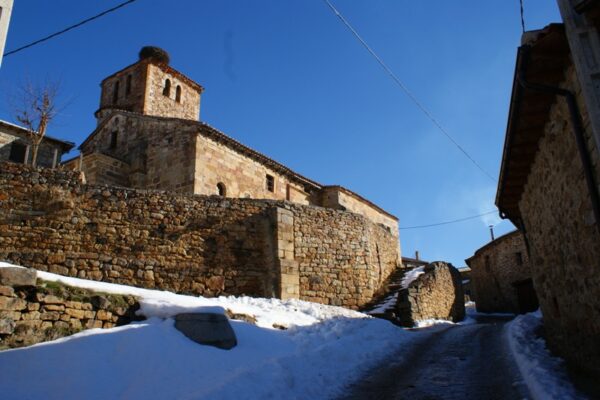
(563, 238)
(495, 268)
(165, 106)
(436, 294)
(241, 175)
(33, 311)
(204, 245)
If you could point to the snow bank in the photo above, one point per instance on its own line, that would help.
(324, 349)
(544, 374)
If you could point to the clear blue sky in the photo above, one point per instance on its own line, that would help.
(289, 80)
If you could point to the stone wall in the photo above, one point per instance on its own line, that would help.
(436, 294)
(204, 245)
(563, 238)
(33, 311)
(242, 176)
(497, 269)
(341, 198)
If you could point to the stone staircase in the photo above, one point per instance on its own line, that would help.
(384, 305)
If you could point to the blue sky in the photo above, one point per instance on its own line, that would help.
(289, 80)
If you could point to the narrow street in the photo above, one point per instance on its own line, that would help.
(454, 362)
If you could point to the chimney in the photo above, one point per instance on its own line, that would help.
(417, 255)
(492, 232)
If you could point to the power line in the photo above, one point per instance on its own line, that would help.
(522, 16)
(449, 222)
(85, 21)
(405, 89)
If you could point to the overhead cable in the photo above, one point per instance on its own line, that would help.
(448, 222)
(410, 95)
(85, 21)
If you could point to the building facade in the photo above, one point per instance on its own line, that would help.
(15, 146)
(549, 177)
(149, 137)
(500, 276)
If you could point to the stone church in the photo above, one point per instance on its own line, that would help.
(149, 136)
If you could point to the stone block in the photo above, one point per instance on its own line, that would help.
(7, 291)
(12, 303)
(7, 326)
(210, 329)
(15, 277)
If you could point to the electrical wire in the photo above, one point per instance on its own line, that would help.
(85, 21)
(448, 222)
(411, 96)
(522, 16)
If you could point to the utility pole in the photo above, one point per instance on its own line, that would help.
(492, 232)
(5, 11)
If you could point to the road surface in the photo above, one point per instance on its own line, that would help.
(454, 362)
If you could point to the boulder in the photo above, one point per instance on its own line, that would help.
(210, 329)
(15, 276)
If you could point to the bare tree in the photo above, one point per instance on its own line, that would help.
(36, 108)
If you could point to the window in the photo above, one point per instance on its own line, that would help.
(167, 88)
(17, 152)
(270, 183)
(128, 85)
(178, 94)
(519, 258)
(116, 92)
(221, 189)
(113, 139)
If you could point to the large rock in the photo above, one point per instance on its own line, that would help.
(15, 276)
(7, 326)
(207, 328)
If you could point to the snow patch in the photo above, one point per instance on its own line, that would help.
(324, 349)
(544, 374)
(411, 276)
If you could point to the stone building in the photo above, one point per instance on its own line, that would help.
(549, 177)
(149, 136)
(501, 276)
(15, 146)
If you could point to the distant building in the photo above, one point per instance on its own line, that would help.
(408, 262)
(500, 276)
(550, 176)
(15, 146)
(149, 136)
(5, 11)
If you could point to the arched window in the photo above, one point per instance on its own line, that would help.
(128, 85)
(167, 88)
(116, 92)
(178, 94)
(221, 189)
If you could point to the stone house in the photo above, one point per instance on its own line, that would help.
(501, 276)
(149, 137)
(549, 177)
(15, 146)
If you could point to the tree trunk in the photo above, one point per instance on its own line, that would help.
(34, 151)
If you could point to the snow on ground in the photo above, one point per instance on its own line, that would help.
(544, 374)
(412, 275)
(324, 349)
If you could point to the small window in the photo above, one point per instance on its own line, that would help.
(116, 92)
(17, 152)
(519, 258)
(178, 94)
(128, 85)
(113, 139)
(221, 189)
(270, 183)
(167, 88)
